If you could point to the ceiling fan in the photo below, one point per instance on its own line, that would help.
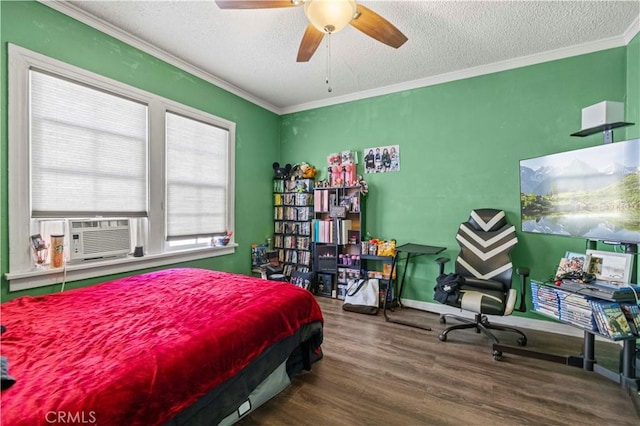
(328, 17)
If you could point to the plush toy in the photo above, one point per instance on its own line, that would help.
(296, 173)
(364, 187)
(308, 171)
(303, 171)
(281, 172)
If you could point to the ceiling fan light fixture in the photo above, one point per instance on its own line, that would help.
(330, 16)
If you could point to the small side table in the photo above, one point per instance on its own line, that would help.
(412, 251)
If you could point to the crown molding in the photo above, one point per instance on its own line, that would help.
(552, 55)
(509, 64)
(633, 29)
(136, 42)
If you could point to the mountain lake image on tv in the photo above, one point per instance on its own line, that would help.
(592, 193)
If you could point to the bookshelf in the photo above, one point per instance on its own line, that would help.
(337, 233)
(292, 220)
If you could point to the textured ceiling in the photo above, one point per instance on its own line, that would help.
(255, 50)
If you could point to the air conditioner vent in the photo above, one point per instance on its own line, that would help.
(91, 239)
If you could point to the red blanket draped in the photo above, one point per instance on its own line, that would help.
(138, 350)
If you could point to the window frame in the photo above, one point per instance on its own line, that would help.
(22, 275)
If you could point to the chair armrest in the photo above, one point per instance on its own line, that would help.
(441, 261)
(524, 274)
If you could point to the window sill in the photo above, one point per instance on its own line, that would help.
(92, 269)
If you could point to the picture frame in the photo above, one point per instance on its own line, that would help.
(613, 268)
(382, 159)
(577, 262)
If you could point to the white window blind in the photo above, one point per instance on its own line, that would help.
(197, 176)
(88, 151)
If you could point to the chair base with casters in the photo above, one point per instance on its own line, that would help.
(482, 325)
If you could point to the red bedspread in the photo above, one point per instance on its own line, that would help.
(138, 350)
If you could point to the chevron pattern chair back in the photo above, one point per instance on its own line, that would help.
(485, 241)
(483, 270)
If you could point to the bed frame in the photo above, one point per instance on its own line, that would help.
(181, 346)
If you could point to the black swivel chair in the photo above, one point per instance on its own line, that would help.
(484, 262)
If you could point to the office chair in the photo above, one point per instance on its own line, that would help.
(484, 275)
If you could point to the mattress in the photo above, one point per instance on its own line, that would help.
(147, 349)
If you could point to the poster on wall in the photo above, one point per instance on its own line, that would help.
(382, 159)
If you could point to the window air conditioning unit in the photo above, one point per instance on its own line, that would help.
(99, 238)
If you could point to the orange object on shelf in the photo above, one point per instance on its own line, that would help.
(57, 251)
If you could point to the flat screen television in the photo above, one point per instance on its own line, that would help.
(591, 193)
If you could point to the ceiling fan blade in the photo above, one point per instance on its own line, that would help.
(374, 25)
(255, 4)
(310, 42)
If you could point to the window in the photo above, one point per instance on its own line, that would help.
(88, 151)
(196, 177)
(84, 146)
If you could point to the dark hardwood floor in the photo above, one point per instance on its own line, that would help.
(380, 373)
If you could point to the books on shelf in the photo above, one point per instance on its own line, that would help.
(294, 199)
(344, 226)
(321, 200)
(576, 309)
(278, 185)
(615, 320)
(611, 319)
(545, 300)
(277, 213)
(332, 231)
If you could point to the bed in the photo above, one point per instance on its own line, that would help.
(179, 346)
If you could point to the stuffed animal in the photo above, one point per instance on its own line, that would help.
(308, 171)
(302, 171)
(281, 172)
(296, 173)
(364, 187)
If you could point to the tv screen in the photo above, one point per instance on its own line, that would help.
(592, 193)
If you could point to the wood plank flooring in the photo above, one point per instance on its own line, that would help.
(380, 373)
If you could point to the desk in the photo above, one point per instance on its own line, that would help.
(412, 251)
(626, 376)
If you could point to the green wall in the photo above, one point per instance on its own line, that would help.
(460, 141)
(39, 28)
(460, 145)
(632, 105)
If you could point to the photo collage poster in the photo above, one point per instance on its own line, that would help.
(382, 159)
